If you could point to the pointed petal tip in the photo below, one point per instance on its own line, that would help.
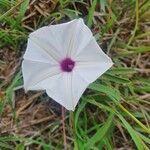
(110, 62)
(80, 19)
(25, 89)
(70, 108)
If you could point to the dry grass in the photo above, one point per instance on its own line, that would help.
(34, 121)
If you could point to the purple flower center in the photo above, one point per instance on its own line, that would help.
(67, 65)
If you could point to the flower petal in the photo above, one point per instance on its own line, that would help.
(71, 36)
(59, 41)
(44, 38)
(61, 92)
(55, 39)
(65, 34)
(79, 85)
(92, 62)
(39, 76)
(78, 35)
(68, 92)
(91, 71)
(92, 53)
(37, 53)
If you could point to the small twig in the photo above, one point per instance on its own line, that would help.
(63, 126)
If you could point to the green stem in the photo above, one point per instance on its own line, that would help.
(136, 23)
(136, 120)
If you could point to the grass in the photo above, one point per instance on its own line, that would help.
(114, 111)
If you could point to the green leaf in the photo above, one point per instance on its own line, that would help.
(108, 144)
(111, 93)
(116, 79)
(109, 24)
(22, 10)
(101, 132)
(113, 40)
(137, 140)
(72, 14)
(17, 81)
(10, 11)
(122, 71)
(8, 138)
(103, 4)
(100, 105)
(20, 147)
(91, 13)
(146, 139)
(6, 146)
(142, 89)
(77, 114)
(139, 49)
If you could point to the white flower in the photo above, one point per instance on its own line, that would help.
(63, 60)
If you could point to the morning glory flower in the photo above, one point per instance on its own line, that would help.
(63, 59)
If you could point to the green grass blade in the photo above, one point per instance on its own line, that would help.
(147, 130)
(91, 13)
(77, 114)
(116, 79)
(121, 71)
(112, 93)
(20, 147)
(22, 10)
(103, 4)
(101, 133)
(10, 11)
(137, 140)
(5, 146)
